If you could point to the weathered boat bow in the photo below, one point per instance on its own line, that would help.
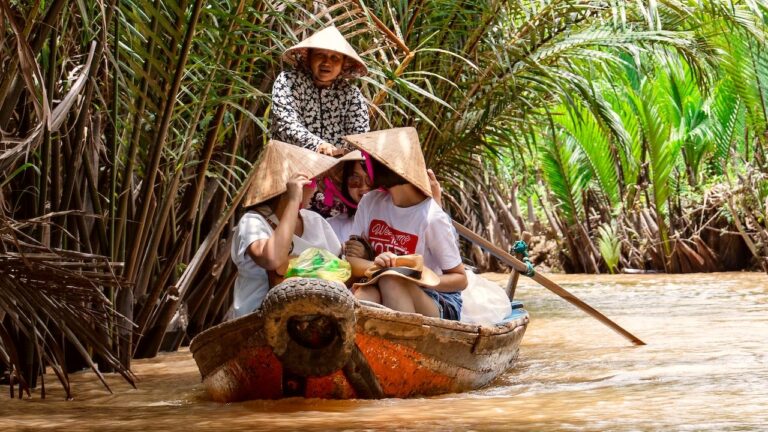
(312, 338)
(310, 326)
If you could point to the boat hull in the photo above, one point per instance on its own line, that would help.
(394, 354)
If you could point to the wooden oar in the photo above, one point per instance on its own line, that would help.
(544, 281)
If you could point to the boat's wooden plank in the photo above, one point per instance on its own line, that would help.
(487, 343)
(465, 349)
(219, 344)
(404, 317)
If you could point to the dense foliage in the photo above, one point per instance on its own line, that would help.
(633, 133)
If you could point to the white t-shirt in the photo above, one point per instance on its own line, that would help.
(342, 226)
(423, 229)
(252, 284)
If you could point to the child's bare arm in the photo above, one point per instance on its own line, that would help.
(273, 252)
(453, 280)
(359, 266)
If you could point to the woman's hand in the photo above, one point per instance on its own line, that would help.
(328, 149)
(386, 259)
(296, 185)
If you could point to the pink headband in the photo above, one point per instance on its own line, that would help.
(368, 164)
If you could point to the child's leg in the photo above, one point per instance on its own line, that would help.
(369, 292)
(423, 303)
(406, 296)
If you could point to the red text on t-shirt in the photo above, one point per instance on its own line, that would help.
(384, 238)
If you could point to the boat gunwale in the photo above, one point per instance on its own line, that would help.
(473, 329)
(253, 319)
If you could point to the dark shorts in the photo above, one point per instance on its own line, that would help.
(448, 304)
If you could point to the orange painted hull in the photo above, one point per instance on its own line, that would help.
(409, 355)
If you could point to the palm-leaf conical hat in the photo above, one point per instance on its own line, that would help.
(399, 150)
(329, 38)
(278, 162)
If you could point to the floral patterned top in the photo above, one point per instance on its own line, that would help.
(306, 115)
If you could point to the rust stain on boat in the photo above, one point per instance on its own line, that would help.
(254, 374)
(333, 386)
(402, 371)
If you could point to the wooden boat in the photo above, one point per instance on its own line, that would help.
(312, 338)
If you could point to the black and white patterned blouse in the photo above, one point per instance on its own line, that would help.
(306, 115)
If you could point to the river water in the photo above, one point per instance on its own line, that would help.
(705, 368)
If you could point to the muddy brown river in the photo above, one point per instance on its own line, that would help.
(705, 368)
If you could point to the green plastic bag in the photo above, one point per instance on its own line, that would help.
(319, 263)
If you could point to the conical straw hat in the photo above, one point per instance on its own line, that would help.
(399, 150)
(337, 172)
(278, 162)
(329, 38)
(354, 155)
(409, 267)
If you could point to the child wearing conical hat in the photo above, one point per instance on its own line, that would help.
(349, 184)
(403, 219)
(314, 105)
(277, 224)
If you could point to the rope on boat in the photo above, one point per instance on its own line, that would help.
(521, 248)
(361, 377)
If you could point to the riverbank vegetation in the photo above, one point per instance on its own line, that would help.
(624, 135)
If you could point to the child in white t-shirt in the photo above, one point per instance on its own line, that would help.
(403, 219)
(276, 225)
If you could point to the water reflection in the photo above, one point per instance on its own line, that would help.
(705, 368)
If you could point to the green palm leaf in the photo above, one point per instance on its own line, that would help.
(728, 114)
(596, 145)
(566, 174)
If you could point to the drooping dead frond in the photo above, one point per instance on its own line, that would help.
(48, 296)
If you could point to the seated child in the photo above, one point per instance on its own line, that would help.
(276, 224)
(354, 183)
(403, 219)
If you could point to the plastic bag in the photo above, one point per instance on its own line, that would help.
(483, 301)
(319, 263)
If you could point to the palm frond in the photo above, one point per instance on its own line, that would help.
(596, 145)
(566, 174)
(54, 295)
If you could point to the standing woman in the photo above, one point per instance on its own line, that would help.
(314, 105)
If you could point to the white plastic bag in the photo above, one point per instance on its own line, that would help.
(483, 301)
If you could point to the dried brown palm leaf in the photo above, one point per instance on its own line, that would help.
(48, 296)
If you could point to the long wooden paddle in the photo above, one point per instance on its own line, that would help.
(544, 281)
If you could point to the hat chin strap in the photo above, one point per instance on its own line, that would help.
(368, 164)
(405, 271)
(331, 191)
